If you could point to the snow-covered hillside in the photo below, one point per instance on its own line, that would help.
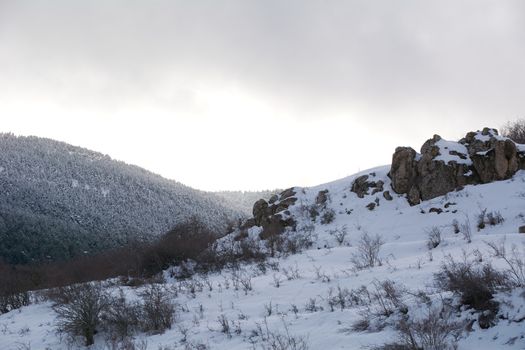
(58, 200)
(314, 299)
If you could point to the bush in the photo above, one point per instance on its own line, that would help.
(385, 300)
(481, 219)
(455, 226)
(436, 330)
(515, 130)
(465, 229)
(121, 318)
(339, 233)
(328, 216)
(494, 218)
(265, 339)
(514, 260)
(13, 289)
(78, 309)
(187, 240)
(434, 237)
(157, 309)
(368, 249)
(473, 282)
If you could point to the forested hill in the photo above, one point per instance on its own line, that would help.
(58, 200)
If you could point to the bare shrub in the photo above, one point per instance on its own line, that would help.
(341, 297)
(381, 302)
(434, 237)
(494, 218)
(311, 211)
(277, 280)
(514, 260)
(466, 230)
(328, 216)
(291, 273)
(78, 309)
(125, 344)
(121, 318)
(265, 339)
(268, 309)
(436, 330)
(515, 130)
(294, 242)
(455, 226)
(475, 283)
(321, 275)
(251, 250)
(388, 297)
(339, 234)
(367, 254)
(157, 309)
(246, 283)
(311, 305)
(224, 325)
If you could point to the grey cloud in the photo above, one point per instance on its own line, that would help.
(384, 56)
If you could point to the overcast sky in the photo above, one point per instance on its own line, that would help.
(258, 94)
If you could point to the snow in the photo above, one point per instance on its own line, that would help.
(445, 147)
(492, 133)
(406, 261)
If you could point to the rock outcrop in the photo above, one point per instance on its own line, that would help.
(361, 186)
(444, 166)
(271, 215)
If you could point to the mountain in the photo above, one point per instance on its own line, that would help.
(377, 260)
(58, 200)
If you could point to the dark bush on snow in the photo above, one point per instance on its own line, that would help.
(475, 283)
(187, 240)
(79, 308)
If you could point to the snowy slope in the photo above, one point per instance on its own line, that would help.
(319, 272)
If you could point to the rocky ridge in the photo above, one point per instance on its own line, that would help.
(444, 166)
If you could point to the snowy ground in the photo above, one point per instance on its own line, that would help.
(285, 304)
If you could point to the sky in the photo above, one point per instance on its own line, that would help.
(258, 94)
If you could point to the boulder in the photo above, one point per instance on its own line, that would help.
(283, 205)
(387, 195)
(378, 187)
(361, 185)
(321, 198)
(269, 215)
(371, 206)
(521, 229)
(260, 211)
(435, 210)
(499, 162)
(404, 169)
(287, 193)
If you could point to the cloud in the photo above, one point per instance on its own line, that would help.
(409, 67)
